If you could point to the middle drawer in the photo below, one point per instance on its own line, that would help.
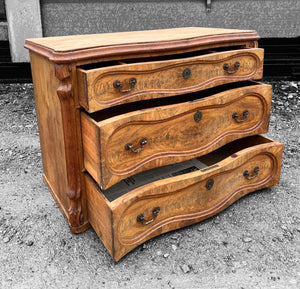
(125, 140)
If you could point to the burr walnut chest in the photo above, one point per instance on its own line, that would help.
(150, 131)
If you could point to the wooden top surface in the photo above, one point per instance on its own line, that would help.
(76, 42)
(63, 45)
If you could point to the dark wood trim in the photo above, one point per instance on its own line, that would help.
(149, 48)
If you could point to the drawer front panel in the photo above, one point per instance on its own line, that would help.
(180, 134)
(176, 133)
(244, 166)
(193, 201)
(109, 86)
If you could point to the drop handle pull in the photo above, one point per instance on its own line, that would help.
(141, 219)
(118, 84)
(247, 174)
(129, 146)
(227, 68)
(235, 116)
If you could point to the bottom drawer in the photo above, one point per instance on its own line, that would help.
(163, 199)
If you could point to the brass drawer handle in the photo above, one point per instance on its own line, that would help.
(129, 146)
(247, 175)
(235, 116)
(118, 84)
(141, 219)
(236, 68)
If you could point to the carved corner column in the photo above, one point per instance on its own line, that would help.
(77, 221)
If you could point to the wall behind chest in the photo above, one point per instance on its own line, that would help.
(268, 17)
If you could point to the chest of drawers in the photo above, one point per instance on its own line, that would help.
(146, 132)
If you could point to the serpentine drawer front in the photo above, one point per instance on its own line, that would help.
(122, 145)
(126, 82)
(150, 131)
(223, 177)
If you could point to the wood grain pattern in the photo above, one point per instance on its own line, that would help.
(184, 199)
(50, 128)
(76, 42)
(76, 48)
(68, 114)
(195, 199)
(164, 78)
(57, 130)
(91, 148)
(72, 141)
(100, 215)
(172, 133)
(56, 92)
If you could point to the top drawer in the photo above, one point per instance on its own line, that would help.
(132, 80)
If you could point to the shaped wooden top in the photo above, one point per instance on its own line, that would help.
(64, 49)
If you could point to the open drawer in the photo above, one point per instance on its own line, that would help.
(164, 199)
(128, 139)
(113, 83)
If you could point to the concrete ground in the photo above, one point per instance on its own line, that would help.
(255, 243)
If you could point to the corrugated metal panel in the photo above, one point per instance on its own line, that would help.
(271, 18)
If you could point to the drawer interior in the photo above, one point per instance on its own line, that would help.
(179, 56)
(151, 103)
(202, 163)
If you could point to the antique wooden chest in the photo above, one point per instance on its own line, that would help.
(146, 132)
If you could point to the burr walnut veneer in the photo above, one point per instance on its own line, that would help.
(146, 132)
